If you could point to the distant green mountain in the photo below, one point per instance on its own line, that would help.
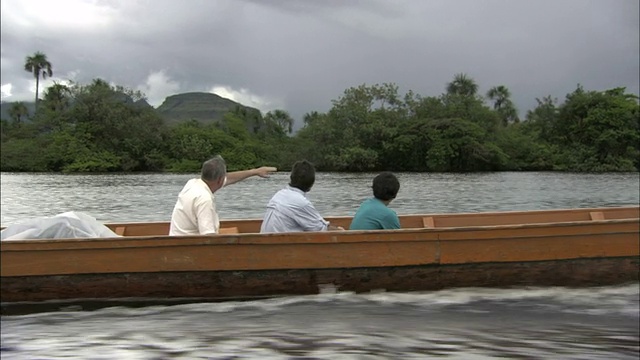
(204, 107)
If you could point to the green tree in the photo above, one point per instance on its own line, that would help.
(462, 85)
(252, 118)
(599, 130)
(460, 145)
(18, 111)
(279, 121)
(524, 150)
(53, 112)
(39, 66)
(501, 97)
(310, 117)
(108, 118)
(99, 127)
(540, 122)
(23, 154)
(361, 122)
(57, 97)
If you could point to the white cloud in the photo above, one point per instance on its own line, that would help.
(5, 89)
(158, 86)
(70, 14)
(24, 89)
(45, 83)
(245, 97)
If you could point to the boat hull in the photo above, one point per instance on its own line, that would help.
(237, 266)
(216, 285)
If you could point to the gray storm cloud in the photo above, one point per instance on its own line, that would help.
(299, 55)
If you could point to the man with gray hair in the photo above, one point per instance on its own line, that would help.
(195, 211)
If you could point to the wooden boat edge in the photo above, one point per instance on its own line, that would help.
(344, 219)
(303, 237)
(414, 215)
(534, 242)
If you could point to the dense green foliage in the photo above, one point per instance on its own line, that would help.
(99, 127)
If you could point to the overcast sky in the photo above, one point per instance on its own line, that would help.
(298, 55)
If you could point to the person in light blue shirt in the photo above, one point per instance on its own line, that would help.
(374, 213)
(289, 210)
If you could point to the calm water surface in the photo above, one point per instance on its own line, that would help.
(531, 323)
(150, 197)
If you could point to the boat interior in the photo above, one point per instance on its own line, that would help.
(443, 220)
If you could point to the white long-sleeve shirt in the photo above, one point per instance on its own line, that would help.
(289, 211)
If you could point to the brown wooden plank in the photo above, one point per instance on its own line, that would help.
(520, 217)
(228, 230)
(218, 257)
(596, 215)
(143, 229)
(120, 230)
(322, 250)
(428, 222)
(628, 226)
(301, 238)
(537, 249)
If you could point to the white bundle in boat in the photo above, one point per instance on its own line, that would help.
(62, 226)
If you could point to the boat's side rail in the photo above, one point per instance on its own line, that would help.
(348, 249)
(420, 221)
(525, 217)
(417, 221)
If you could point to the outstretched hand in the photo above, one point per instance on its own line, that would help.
(265, 171)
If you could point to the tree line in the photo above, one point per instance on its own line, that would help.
(98, 127)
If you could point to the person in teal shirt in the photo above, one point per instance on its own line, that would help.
(374, 213)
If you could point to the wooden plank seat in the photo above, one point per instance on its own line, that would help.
(428, 222)
(228, 230)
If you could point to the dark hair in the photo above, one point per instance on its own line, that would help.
(385, 186)
(213, 169)
(303, 175)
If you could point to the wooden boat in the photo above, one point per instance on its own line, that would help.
(575, 247)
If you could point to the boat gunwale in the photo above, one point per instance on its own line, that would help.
(434, 215)
(306, 238)
(407, 216)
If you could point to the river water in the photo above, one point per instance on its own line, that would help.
(523, 323)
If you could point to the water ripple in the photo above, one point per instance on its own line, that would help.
(457, 324)
(150, 197)
(532, 323)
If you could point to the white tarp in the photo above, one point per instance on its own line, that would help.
(62, 226)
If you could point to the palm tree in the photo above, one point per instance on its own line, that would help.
(39, 66)
(509, 113)
(311, 117)
(499, 95)
(462, 85)
(281, 119)
(17, 111)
